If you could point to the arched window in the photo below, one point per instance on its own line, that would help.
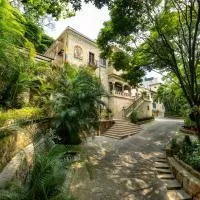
(78, 52)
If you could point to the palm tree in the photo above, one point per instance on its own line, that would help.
(77, 99)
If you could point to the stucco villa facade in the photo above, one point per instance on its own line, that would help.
(79, 50)
(153, 84)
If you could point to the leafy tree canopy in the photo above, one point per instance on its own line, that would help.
(35, 34)
(164, 36)
(173, 99)
(76, 100)
(18, 41)
(56, 9)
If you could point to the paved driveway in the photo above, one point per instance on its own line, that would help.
(124, 170)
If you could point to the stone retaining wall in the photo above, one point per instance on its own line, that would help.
(186, 176)
(18, 167)
(17, 139)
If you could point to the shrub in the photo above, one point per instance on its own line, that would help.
(188, 151)
(134, 116)
(189, 123)
(146, 118)
(19, 114)
(174, 146)
(48, 176)
(76, 102)
(46, 179)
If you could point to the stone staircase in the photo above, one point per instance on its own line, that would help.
(122, 129)
(133, 106)
(174, 188)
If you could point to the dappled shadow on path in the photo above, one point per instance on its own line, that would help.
(124, 170)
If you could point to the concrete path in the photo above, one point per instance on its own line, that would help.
(125, 169)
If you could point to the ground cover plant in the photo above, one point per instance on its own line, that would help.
(188, 151)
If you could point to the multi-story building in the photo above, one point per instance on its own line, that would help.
(79, 50)
(153, 84)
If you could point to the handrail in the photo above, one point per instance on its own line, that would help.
(132, 106)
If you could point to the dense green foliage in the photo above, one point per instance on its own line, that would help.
(134, 116)
(188, 123)
(77, 99)
(35, 34)
(19, 72)
(173, 99)
(135, 119)
(19, 114)
(159, 35)
(47, 179)
(56, 9)
(29, 87)
(188, 151)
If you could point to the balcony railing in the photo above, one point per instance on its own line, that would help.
(120, 93)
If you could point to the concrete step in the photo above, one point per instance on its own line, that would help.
(172, 184)
(122, 129)
(128, 125)
(165, 176)
(161, 160)
(113, 136)
(178, 195)
(163, 171)
(121, 132)
(118, 136)
(161, 165)
(125, 127)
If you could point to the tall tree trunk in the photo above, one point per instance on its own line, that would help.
(197, 120)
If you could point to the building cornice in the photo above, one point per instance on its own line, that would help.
(74, 32)
(80, 35)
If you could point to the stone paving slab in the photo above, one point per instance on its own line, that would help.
(178, 195)
(172, 184)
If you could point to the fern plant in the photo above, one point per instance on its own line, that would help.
(47, 179)
(76, 100)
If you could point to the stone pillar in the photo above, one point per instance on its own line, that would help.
(113, 87)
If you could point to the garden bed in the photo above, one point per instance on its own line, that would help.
(183, 154)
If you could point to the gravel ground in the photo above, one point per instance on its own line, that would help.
(124, 169)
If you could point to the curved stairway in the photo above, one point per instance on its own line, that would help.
(122, 129)
(133, 106)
